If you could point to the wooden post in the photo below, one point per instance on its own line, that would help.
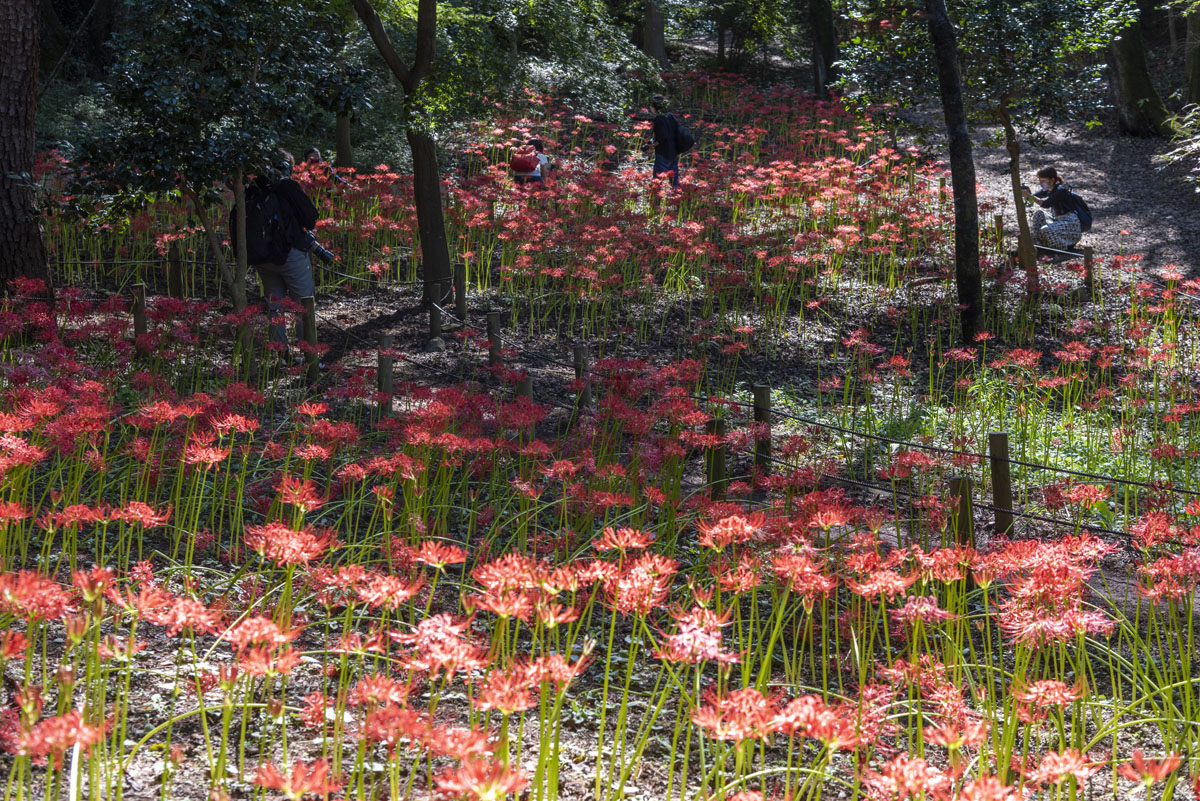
(942, 189)
(716, 459)
(581, 374)
(139, 314)
(762, 415)
(493, 334)
(999, 222)
(912, 178)
(964, 525)
(310, 336)
(386, 385)
(460, 292)
(1002, 497)
(1088, 262)
(525, 387)
(175, 271)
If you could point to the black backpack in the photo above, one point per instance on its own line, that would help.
(1082, 211)
(684, 139)
(266, 239)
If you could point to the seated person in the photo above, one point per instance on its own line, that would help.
(530, 163)
(1061, 230)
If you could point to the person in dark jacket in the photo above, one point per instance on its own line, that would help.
(293, 278)
(1060, 230)
(666, 130)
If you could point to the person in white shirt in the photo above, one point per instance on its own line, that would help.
(542, 170)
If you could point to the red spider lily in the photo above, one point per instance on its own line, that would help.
(1039, 697)
(697, 639)
(303, 779)
(50, 738)
(1055, 768)
(264, 660)
(205, 456)
(141, 514)
(439, 554)
(737, 716)
(923, 609)
(31, 595)
(810, 716)
(622, 540)
(1149, 772)
(381, 591)
(508, 691)
(458, 742)
(13, 645)
(642, 585)
(300, 493)
(286, 546)
(393, 726)
(805, 576)
(989, 788)
(183, 613)
(378, 690)
(482, 779)
(438, 645)
(729, 530)
(909, 777)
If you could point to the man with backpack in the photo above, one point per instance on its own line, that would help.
(671, 140)
(279, 222)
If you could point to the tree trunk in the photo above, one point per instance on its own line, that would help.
(1026, 253)
(824, 50)
(962, 169)
(234, 282)
(245, 331)
(654, 34)
(720, 44)
(427, 196)
(22, 250)
(343, 149)
(1193, 56)
(1140, 109)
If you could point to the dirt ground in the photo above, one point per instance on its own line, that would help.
(1127, 188)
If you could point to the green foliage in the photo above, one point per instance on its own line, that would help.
(489, 50)
(1034, 58)
(203, 89)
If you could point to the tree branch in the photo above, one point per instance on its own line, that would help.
(383, 43)
(426, 40)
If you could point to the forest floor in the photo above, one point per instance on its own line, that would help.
(1139, 205)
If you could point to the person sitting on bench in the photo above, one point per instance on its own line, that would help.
(1061, 230)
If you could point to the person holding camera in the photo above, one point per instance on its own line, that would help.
(294, 277)
(1063, 230)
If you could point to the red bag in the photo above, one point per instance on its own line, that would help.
(524, 159)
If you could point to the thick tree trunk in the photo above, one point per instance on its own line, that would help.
(1026, 252)
(654, 43)
(427, 196)
(1140, 109)
(343, 148)
(22, 250)
(962, 169)
(1193, 56)
(824, 50)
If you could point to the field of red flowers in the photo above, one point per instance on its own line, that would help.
(217, 589)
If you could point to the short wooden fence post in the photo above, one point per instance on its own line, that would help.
(385, 377)
(762, 416)
(1002, 497)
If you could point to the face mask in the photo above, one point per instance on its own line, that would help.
(1045, 187)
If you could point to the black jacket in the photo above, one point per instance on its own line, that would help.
(666, 128)
(1058, 199)
(299, 213)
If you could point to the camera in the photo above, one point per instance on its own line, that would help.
(311, 245)
(324, 255)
